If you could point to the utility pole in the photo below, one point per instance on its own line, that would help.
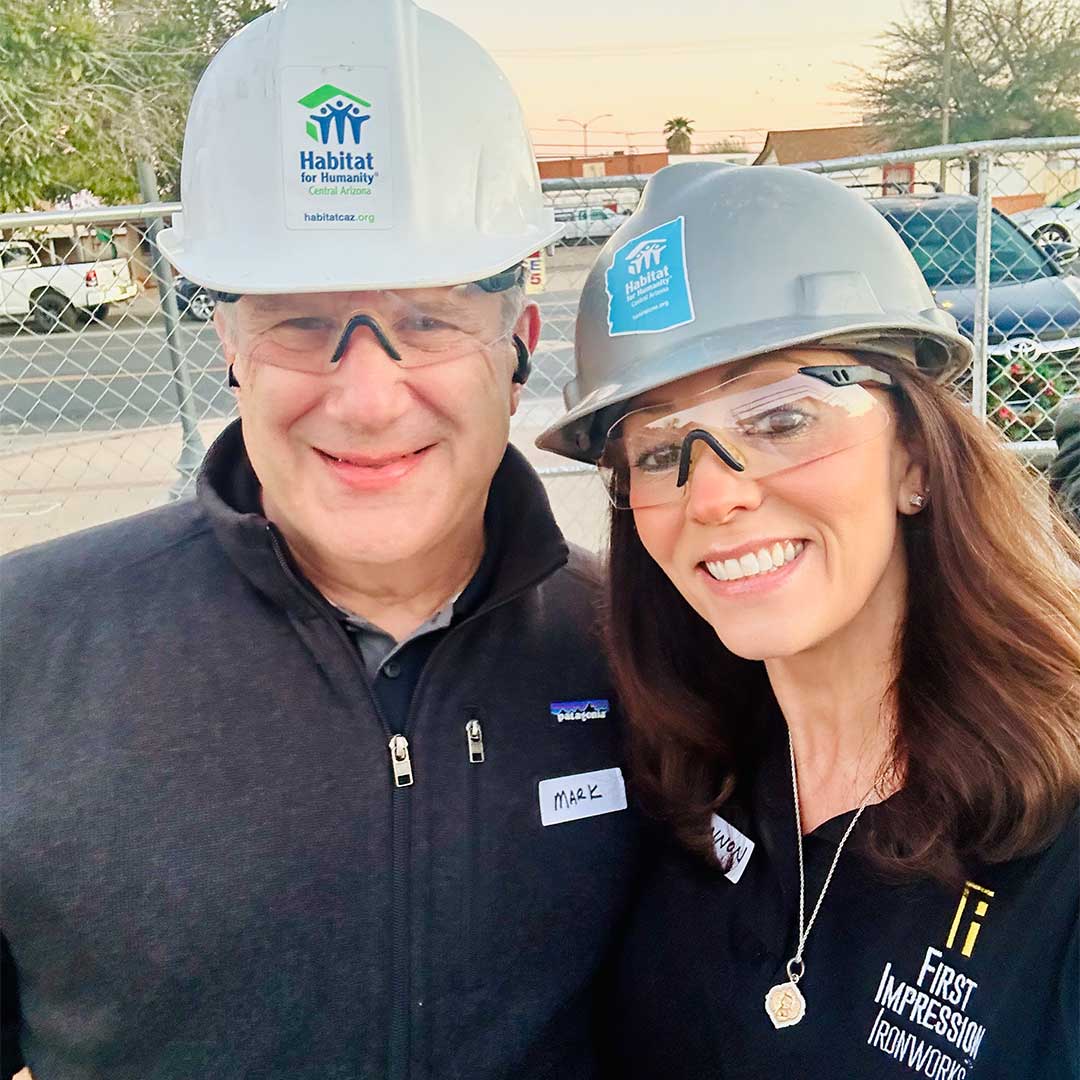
(946, 87)
(584, 125)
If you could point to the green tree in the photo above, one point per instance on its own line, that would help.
(87, 87)
(1015, 72)
(678, 132)
(193, 30)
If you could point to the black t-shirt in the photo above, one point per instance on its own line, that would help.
(902, 979)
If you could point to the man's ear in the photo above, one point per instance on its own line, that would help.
(527, 330)
(528, 326)
(526, 335)
(223, 326)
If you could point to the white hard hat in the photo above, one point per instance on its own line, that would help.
(338, 146)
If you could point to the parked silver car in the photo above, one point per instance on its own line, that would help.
(1058, 223)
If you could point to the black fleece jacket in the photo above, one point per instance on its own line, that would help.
(207, 867)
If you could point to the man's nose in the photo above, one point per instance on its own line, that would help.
(368, 385)
(356, 323)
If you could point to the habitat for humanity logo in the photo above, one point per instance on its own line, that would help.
(647, 285)
(336, 112)
(644, 255)
(334, 116)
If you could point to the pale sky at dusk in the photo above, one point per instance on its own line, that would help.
(727, 65)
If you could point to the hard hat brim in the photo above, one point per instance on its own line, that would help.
(382, 262)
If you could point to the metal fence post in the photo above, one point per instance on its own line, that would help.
(983, 218)
(192, 449)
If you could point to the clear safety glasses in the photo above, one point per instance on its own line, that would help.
(758, 424)
(415, 327)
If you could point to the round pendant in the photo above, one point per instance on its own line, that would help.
(785, 1005)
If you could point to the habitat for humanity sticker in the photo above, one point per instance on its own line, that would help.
(336, 144)
(648, 290)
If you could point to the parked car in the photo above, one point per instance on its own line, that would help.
(1034, 302)
(48, 297)
(193, 300)
(587, 224)
(1057, 223)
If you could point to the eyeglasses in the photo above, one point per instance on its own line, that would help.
(311, 333)
(758, 424)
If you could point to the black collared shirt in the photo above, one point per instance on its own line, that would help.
(393, 678)
(901, 980)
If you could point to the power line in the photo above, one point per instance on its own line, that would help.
(656, 131)
(674, 47)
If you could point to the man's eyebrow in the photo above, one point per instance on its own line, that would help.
(269, 302)
(441, 304)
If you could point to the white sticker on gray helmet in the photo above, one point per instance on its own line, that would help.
(647, 284)
(336, 132)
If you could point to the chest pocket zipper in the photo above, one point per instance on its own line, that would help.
(474, 736)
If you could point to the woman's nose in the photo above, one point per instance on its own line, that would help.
(715, 490)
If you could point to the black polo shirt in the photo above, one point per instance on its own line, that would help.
(902, 980)
(394, 669)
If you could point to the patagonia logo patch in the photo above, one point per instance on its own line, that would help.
(647, 283)
(590, 709)
(732, 848)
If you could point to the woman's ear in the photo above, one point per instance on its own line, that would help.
(913, 491)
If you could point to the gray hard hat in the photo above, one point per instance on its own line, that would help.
(720, 263)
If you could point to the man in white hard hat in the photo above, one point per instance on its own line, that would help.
(317, 775)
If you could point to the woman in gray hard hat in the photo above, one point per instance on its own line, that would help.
(847, 636)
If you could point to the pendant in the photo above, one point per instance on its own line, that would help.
(785, 1005)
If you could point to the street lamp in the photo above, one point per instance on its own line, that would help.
(584, 125)
(946, 87)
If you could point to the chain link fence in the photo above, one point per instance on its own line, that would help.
(112, 382)
(995, 229)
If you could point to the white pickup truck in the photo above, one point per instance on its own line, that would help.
(58, 297)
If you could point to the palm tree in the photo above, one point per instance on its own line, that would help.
(678, 132)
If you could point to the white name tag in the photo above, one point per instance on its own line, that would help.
(587, 794)
(733, 850)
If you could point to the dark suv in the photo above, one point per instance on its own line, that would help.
(1034, 303)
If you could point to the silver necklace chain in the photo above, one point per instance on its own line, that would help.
(795, 966)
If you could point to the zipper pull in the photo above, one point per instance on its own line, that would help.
(475, 738)
(400, 761)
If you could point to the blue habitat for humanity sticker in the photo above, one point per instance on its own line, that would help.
(648, 290)
(594, 709)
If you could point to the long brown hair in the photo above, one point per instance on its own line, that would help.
(987, 693)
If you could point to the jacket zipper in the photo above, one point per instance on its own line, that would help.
(474, 745)
(401, 768)
(400, 761)
(399, 1065)
(474, 738)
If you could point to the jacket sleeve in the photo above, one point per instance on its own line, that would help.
(1065, 469)
(11, 1059)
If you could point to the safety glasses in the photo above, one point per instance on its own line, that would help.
(415, 327)
(763, 422)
